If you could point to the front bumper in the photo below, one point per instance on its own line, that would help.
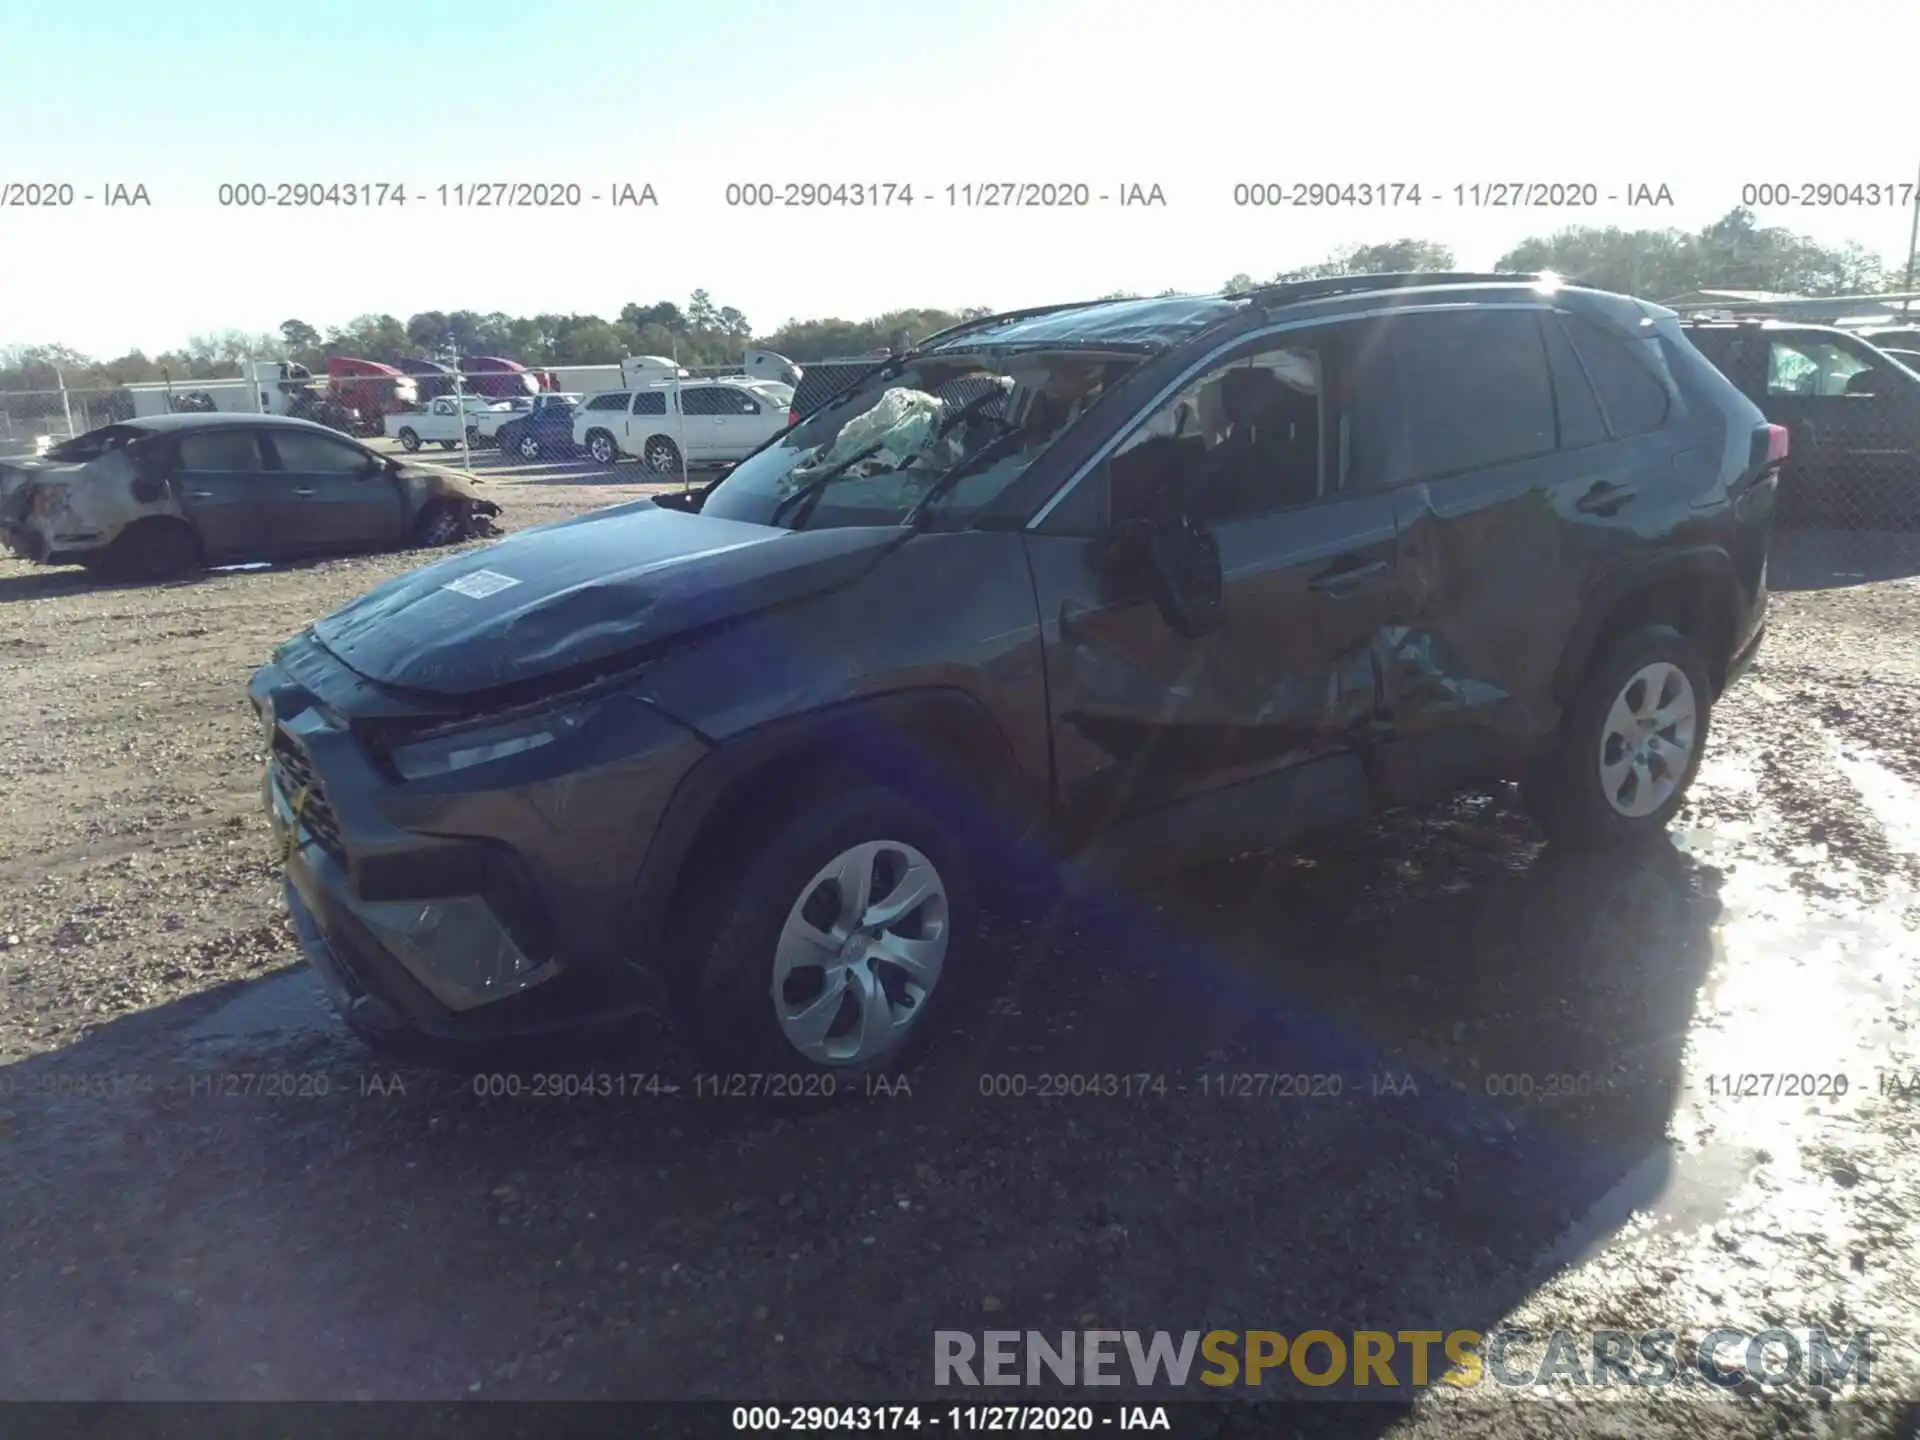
(456, 911)
(25, 542)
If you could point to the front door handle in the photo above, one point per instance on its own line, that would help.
(201, 494)
(303, 492)
(1604, 498)
(1343, 580)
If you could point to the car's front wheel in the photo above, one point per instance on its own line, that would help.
(1633, 741)
(601, 447)
(833, 948)
(529, 447)
(409, 439)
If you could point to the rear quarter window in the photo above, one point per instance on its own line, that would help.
(1626, 376)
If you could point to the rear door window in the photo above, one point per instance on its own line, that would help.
(1444, 393)
(213, 451)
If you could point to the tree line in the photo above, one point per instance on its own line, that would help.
(1734, 252)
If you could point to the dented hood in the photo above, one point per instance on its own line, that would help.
(583, 592)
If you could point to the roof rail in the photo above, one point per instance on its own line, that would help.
(1288, 292)
(984, 322)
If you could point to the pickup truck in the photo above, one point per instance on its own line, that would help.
(1853, 412)
(442, 420)
(487, 422)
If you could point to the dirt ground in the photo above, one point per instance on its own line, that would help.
(206, 1190)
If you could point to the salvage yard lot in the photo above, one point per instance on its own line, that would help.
(173, 1225)
(490, 465)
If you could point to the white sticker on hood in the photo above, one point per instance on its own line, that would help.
(480, 584)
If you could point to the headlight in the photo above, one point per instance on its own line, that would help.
(482, 745)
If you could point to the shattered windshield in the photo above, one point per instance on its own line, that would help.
(968, 423)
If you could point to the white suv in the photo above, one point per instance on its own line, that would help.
(717, 422)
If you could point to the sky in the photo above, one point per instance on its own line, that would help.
(1195, 98)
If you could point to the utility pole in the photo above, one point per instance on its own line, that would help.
(1913, 244)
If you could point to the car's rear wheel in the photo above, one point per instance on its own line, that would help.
(153, 550)
(834, 946)
(474, 438)
(661, 456)
(601, 447)
(1633, 741)
(529, 447)
(409, 439)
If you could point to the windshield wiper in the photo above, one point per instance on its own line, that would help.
(991, 451)
(809, 491)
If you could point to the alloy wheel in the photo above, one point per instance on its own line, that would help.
(1648, 739)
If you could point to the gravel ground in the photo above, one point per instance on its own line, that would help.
(207, 1192)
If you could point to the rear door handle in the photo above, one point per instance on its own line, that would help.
(1344, 579)
(303, 492)
(1604, 498)
(201, 494)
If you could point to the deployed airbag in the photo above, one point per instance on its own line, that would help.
(901, 423)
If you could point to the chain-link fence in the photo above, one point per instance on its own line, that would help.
(368, 400)
(30, 420)
(1849, 500)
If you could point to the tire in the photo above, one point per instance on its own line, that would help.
(661, 457)
(729, 987)
(435, 525)
(474, 438)
(409, 439)
(601, 447)
(153, 550)
(1589, 793)
(529, 446)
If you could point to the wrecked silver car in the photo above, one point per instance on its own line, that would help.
(164, 495)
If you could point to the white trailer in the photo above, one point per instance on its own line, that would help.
(639, 371)
(585, 379)
(767, 365)
(268, 387)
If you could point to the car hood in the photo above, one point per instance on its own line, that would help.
(582, 592)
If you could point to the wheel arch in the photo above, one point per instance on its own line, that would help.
(1694, 591)
(937, 743)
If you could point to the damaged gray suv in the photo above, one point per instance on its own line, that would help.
(1106, 588)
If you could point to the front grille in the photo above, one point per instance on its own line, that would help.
(297, 774)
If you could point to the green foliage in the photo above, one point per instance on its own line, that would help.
(1734, 252)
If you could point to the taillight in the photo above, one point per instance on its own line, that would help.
(1768, 450)
(793, 417)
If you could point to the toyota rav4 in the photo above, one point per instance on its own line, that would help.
(1099, 589)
